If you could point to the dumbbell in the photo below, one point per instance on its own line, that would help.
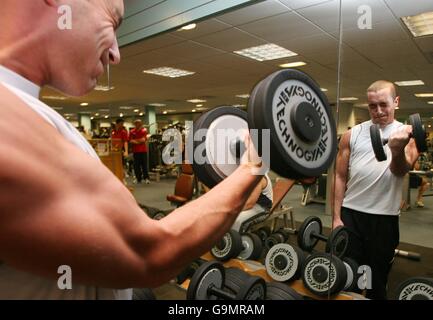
(279, 236)
(418, 134)
(189, 271)
(324, 274)
(208, 282)
(284, 262)
(263, 233)
(415, 288)
(296, 133)
(310, 232)
(245, 247)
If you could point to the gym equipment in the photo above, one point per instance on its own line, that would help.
(408, 255)
(208, 281)
(154, 213)
(418, 134)
(189, 271)
(263, 233)
(298, 121)
(324, 274)
(279, 236)
(228, 247)
(415, 288)
(310, 232)
(281, 291)
(235, 279)
(143, 294)
(284, 262)
(247, 246)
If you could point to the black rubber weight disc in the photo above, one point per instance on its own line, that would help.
(418, 132)
(376, 143)
(207, 170)
(416, 288)
(209, 273)
(235, 279)
(312, 223)
(293, 158)
(281, 291)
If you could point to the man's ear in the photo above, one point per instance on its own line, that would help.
(397, 101)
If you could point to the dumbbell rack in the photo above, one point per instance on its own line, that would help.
(255, 268)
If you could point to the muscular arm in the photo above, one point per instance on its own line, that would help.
(58, 207)
(342, 166)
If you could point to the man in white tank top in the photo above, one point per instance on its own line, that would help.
(368, 192)
(59, 205)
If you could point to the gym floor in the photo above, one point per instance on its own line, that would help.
(416, 231)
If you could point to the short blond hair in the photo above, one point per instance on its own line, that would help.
(383, 84)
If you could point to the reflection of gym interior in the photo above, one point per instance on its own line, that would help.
(217, 55)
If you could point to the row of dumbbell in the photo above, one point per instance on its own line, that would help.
(211, 281)
(251, 246)
(321, 273)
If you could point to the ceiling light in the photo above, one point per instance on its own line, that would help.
(136, 110)
(103, 88)
(141, 114)
(169, 72)
(199, 105)
(125, 108)
(54, 97)
(165, 112)
(189, 26)
(67, 118)
(266, 52)
(106, 117)
(420, 25)
(323, 89)
(409, 83)
(429, 126)
(91, 118)
(424, 95)
(84, 104)
(361, 105)
(430, 102)
(348, 99)
(157, 104)
(104, 110)
(243, 96)
(397, 108)
(193, 110)
(58, 108)
(201, 109)
(96, 114)
(196, 100)
(293, 64)
(121, 115)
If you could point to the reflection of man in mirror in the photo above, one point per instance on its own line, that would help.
(368, 192)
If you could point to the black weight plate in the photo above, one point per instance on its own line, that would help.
(285, 233)
(281, 291)
(338, 241)
(234, 279)
(301, 159)
(418, 132)
(143, 294)
(353, 265)
(211, 172)
(263, 233)
(228, 247)
(377, 143)
(311, 225)
(323, 273)
(273, 239)
(415, 288)
(209, 274)
(253, 288)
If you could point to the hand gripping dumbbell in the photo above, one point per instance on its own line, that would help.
(284, 262)
(247, 246)
(208, 282)
(324, 274)
(310, 232)
(418, 134)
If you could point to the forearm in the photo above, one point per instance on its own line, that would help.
(399, 164)
(340, 189)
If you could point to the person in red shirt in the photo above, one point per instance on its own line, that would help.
(138, 138)
(119, 137)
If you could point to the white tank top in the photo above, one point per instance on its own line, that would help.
(15, 284)
(371, 186)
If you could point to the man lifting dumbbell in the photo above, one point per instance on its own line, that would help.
(368, 192)
(59, 204)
